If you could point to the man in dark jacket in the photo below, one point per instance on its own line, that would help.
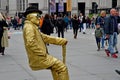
(111, 31)
(61, 25)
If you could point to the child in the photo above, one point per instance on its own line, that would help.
(98, 35)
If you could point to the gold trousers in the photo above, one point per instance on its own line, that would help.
(59, 71)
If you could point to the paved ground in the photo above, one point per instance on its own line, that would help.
(83, 61)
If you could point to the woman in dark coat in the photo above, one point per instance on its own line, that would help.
(47, 27)
(75, 23)
(3, 26)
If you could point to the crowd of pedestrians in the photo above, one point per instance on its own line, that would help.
(107, 23)
(61, 23)
(78, 23)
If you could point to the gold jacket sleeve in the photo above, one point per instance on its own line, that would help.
(53, 40)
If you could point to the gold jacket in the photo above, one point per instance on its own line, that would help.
(35, 46)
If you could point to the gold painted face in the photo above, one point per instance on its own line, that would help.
(34, 18)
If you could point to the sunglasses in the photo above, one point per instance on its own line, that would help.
(36, 15)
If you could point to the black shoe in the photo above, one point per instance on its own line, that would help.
(2, 54)
(84, 33)
(116, 52)
(117, 71)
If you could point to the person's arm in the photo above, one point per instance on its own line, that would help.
(53, 40)
(107, 26)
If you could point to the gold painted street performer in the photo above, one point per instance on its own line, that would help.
(35, 44)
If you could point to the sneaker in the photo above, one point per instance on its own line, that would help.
(117, 71)
(114, 55)
(107, 52)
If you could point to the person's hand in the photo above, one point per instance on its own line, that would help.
(66, 43)
(107, 36)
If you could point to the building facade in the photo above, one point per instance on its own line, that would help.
(4, 6)
(13, 7)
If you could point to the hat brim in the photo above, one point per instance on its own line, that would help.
(31, 11)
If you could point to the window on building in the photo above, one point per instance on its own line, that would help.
(114, 3)
(0, 3)
(26, 3)
(20, 5)
(23, 5)
(34, 4)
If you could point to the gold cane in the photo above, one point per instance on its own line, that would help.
(64, 53)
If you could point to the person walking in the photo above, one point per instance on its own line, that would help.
(93, 22)
(4, 40)
(111, 31)
(75, 23)
(61, 25)
(84, 24)
(101, 21)
(66, 20)
(98, 35)
(38, 55)
(80, 17)
(14, 22)
(118, 26)
(47, 26)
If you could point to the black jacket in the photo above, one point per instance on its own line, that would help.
(47, 27)
(75, 23)
(2, 24)
(60, 24)
(110, 28)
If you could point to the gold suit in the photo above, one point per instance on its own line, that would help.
(38, 55)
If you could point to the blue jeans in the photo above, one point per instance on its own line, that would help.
(81, 26)
(103, 40)
(93, 25)
(112, 41)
